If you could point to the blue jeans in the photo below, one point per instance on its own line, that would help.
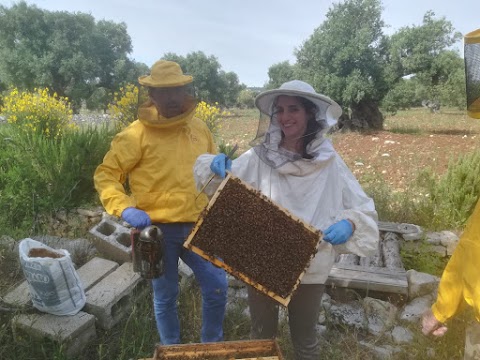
(212, 281)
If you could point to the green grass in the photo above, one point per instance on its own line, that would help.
(422, 257)
(239, 128)
(41, 175)
(135, 337)
(421, 121)
(406, 130)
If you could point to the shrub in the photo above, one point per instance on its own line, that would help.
(401, 96)
(41, 175)
(431, 201)
(246, 99)
(211, 115)
(98, 100)
(38, 112)
(423, 258)
(124, 108)
(393, 206)
(452, 196)
(227, 149)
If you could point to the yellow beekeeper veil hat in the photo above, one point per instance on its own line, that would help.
(165, 74)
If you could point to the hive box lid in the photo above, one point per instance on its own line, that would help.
(241, 350)
(254, 239)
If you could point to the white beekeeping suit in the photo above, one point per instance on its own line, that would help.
(320, 191)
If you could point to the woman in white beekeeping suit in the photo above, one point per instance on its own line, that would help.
(296, 166)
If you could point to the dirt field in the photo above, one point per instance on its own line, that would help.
(399, 157)
(412, 140)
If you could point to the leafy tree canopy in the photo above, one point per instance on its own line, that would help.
(423, 53)
(211, 82)
(70, 53)
(349, 58)
(344, 56)
(415, 48)
(280, 73)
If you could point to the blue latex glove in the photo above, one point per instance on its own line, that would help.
(219, 164)
(339, 232)
(137, 218)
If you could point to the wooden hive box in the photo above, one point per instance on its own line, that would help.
(253, 239)
(240, 350)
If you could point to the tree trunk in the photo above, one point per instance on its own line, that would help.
(364, 116)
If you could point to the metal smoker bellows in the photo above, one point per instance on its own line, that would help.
(148, 252)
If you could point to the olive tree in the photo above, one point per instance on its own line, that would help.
(70, 53)
(350, 59)
(425, 52)
(345, 59)
(280, 73)
(212, 84)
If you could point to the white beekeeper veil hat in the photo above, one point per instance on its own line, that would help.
(328, 109)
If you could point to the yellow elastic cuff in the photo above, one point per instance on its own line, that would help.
(438, 315)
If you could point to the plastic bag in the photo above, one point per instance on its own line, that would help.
(54, 284)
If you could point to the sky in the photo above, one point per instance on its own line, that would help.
(246, 36)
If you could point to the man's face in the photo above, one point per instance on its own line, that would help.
(170, 102)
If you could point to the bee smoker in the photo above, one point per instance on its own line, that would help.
(148, 251)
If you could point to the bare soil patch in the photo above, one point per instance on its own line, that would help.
(412, 140)
(398, 158)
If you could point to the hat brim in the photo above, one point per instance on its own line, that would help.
(147, 80)
(326, 106)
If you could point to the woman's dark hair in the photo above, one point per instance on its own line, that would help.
(313, 127)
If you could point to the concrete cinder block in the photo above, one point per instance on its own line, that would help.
(73, 332)
(19, 297)
(94, 271)
(90, 274)
(112, 240)
(111, 299)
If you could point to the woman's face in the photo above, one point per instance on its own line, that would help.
(291, 116)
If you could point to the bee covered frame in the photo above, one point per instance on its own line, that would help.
(220, 224)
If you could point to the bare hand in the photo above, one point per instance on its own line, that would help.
(430, 324)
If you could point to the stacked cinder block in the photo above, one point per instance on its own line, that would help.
(108, 288)
(73, 332)
(110, 300)
(112, 240)
(90, 274)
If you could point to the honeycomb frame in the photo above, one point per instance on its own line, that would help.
(254, 239)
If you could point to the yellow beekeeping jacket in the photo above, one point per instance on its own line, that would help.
(460, 282)
(156, 155)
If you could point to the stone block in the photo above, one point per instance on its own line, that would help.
(73, 332)
(19, 297)
(111, 299)
(420, 284)
(94, 271)
(413, 311)
(90, 274)
(112, 240)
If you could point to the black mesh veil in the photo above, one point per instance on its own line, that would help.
(268, 138)
(322, 113)
(190, 99)
(263, 124)
(472, 72)
(265, 120)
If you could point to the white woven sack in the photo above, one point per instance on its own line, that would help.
(54, 284)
